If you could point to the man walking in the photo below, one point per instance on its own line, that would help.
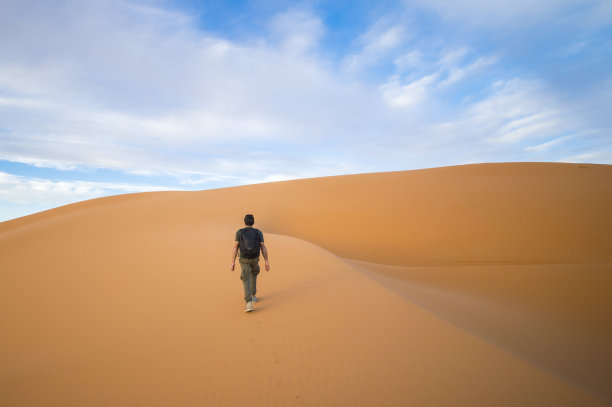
(250, 241)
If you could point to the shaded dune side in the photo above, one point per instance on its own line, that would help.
(106, 279)
(556, 316)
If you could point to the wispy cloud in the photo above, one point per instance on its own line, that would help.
(25, 190)
(593, 157)
(374, 46)
(400, 95)
(504, 14)
(547, 145)
(514, 115)
(299, 31)
(457, 72)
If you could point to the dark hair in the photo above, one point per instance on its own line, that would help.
(249, 220)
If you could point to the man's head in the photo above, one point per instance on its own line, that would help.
(249, 220)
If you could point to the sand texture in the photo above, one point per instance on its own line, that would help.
(474, 285)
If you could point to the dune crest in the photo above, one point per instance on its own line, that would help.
(512, 213)
(128, 300)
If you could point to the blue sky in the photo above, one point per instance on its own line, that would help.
(100, 98)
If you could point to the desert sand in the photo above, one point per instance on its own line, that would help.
(473, 285)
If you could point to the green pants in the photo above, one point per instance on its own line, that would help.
(248, 275)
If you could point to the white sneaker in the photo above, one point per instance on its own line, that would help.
(254, 298)
(249, 307)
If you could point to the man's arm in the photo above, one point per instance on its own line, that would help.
(234, 253)
(264, 251)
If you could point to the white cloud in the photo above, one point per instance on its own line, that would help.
(507, 125)
(510, 13)
(573, 48)
(516, 110)
(299, 31)
(521, 127)
(25, 190)
(384, 40)
(376, 44)
(457, 73)
(591, 157)
(399, 92)
(452, 58)
(547, 145)
(404, 96)
(409, 60)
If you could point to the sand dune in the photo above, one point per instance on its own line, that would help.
(472, 285)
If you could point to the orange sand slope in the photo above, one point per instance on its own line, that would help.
(473, 285)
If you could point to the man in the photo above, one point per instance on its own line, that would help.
(250, 241)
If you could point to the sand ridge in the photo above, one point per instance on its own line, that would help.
(128, 300)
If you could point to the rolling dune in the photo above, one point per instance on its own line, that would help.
(482, 284)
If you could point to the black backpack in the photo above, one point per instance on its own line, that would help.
(249, 243)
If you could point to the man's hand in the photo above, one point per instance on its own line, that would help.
(234, 253)
(264, 251)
